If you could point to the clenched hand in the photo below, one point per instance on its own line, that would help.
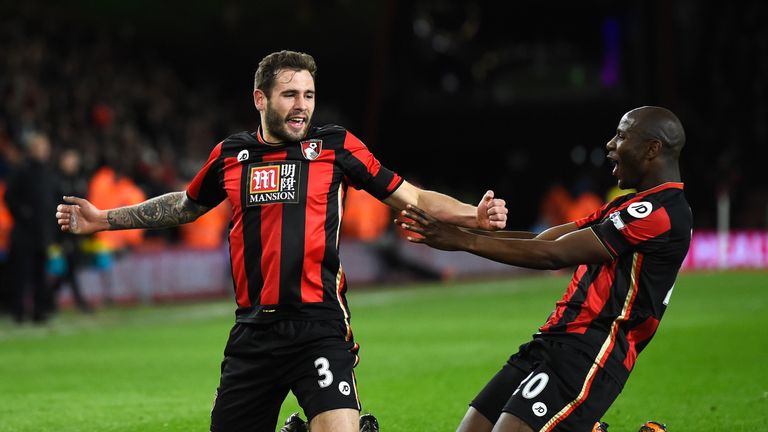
(80, 216)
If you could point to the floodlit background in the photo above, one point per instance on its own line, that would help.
(460, 97)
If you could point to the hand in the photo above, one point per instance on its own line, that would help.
(491, 213)
(80, 217)
(432, 232)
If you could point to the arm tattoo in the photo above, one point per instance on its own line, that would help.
(164, 211)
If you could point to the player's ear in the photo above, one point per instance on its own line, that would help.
(654, 149)
(259, 99)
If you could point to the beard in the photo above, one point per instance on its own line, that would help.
(277, 127)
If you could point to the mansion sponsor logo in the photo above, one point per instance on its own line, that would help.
(273, 182)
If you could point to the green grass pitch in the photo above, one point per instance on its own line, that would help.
(426, 350)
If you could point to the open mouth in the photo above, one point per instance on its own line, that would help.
(615, 162)
(296, 122)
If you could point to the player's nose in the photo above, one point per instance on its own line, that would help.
(300, 104)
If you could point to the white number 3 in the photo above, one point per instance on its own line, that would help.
(323, 370)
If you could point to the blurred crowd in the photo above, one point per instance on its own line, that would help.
(78, 118)
(37, 259)
(89, 90)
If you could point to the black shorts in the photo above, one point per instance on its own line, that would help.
(262, 362)
(551, 387)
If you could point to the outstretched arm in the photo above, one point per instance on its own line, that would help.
(549, 234)
(575, 247)
(490, 214)
(171, 209)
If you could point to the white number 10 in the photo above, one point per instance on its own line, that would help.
(533, 385)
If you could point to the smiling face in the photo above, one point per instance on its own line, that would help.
(287, 111)
(627, 151)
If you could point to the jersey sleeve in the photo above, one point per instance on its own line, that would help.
(641, 226)
(596, 216)
(205, 189)
(363, 171)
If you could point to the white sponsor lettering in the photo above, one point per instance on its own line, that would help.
(271, 197)
(287, 183)
(288, 170)
(266, 180)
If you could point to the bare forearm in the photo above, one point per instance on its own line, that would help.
(529, 253)
(578, 247)
(556, 232)
(502, 234)
(550, 234)
(164, 211)
(447, 209)
(490, 214)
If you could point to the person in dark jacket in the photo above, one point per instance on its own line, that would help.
(31, 192)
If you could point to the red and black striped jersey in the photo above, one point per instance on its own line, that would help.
(288, 202)
(611, 310)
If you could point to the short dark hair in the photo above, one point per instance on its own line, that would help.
(270, 65)
(660, 124)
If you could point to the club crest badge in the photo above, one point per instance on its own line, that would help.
(311, 149)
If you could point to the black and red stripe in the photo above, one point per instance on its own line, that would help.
(621, 302)
(284, 249)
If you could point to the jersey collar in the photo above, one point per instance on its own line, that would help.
(260, 137)
(661, 187)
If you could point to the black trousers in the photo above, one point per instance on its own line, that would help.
(30, 293)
